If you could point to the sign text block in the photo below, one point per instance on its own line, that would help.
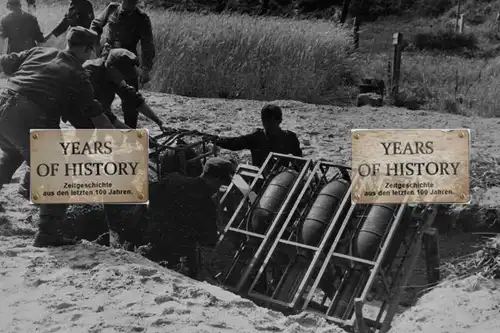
(410, 166)
(89, 166)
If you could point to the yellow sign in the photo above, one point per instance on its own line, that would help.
(89, 166)
(410, 166)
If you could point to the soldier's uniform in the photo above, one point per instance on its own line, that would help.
(80, 13)
(44, 85)
(107, 75)
(125, 30)
(181, 214)
(20, 28)
(260, 145)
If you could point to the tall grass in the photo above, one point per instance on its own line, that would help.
(237, 56)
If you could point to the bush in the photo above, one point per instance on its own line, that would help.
(445, 40)
(239, 56)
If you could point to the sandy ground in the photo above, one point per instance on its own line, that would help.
(88, 288)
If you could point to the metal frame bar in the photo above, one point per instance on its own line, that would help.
(322, 167)
(429, 217)
(374, 271)
(269, 165)
(276, 219)
(172, 137)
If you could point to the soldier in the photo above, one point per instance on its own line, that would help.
(264, 141)
(20, 28)
(80, 13)
(181, 214)
(44, 85)
(127, 26)
(107, 75)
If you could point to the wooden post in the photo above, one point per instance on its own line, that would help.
(389, 79)
(355, 32)
(459, 10)
(461, 24)
(431, 248)
(397, 41)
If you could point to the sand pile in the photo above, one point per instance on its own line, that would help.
(463, 306)
(89, 288)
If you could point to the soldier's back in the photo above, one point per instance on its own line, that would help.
(180, 207)
(22, 31)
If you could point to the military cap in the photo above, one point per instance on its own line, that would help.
(122, 59)
(81, 36)
(14, 2)
(219, 168)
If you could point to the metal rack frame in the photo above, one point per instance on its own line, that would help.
(260, 241)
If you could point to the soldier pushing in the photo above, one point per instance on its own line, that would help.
(44, 85)
(20, 28)
(127, 26)
(107, 75)
(264, 141)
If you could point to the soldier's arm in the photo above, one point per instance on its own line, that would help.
(130, 96)
(148, 52)
(60, 28)
(127, 94)
(37, 32)
(237, 143)
(69, 18)
(296, 150)
(10, 63)
(101, 20)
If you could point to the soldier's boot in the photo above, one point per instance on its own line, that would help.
(49, 235)
(49, 228)
(44, 239)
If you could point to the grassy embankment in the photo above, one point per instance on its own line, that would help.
(311, 61)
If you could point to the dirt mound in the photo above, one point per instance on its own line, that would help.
(88, 288)
(469, 305)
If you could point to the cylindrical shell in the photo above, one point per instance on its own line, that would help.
(373, 230)
(322, 211)
(271, 200)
